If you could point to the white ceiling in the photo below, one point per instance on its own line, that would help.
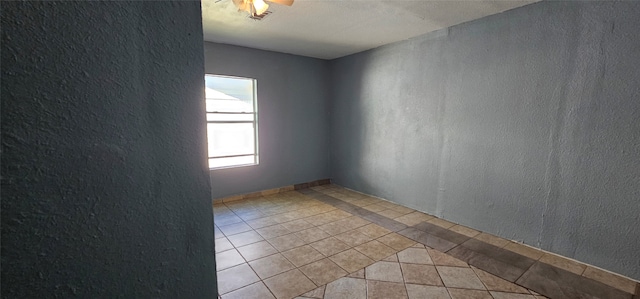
(330, 29)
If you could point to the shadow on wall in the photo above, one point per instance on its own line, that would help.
(347, 130)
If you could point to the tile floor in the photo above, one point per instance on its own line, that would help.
(330, 242)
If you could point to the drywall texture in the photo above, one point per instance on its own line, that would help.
(524, 124)
(292, 118)
(105, 190)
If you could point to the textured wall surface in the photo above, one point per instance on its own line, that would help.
(105, 190)
(524, 124)
(292, 118)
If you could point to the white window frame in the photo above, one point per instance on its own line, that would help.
(255, 153)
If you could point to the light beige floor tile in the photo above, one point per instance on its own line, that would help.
(254, 291)
(563, 263)
(289, 284)
(257, 250)
(222, 220)
(285, 217)
(357, 274)
(415, 256)
(315, 293)
(416, 291)
(321, 208)
(297, 225)
(219, 209)
(396, 241)
(235, 278)
(228, 259)
(495, 283)
(455, 277)
(261, 222)
(330, 246)
(286, 242)
(391, 258)
(493, 240)
(443, 259)
(323, 271)
(468, 294)
(354, 222)
(352, 288)
(501, 295)
(387, 204)
(351, 260)
(463, 230)
(375, 250)
(327, 217)
(302, 255)
(235, 228)
(373, 230)
(374, 207)
(527, 251)
(271, 265)
(312, 234)
(402, 209)
(273, 231)
(413, 218)
(384, 271)
(353, 238)
(390, 213)
(385, 290)
(319, 219)
(250, 215)
(218, 233)
(222, 244)
(421, 274)
(611, 279)
(245, 238)
(334, 228)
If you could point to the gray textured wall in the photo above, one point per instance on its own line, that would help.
(524, 124)
(105, 189)
(292, 118)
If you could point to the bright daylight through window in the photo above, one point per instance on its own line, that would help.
(232, 123)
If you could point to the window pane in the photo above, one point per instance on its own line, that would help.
(229, 117)
(229, 94)
(231, 161)
(228, 105)
(230, 139)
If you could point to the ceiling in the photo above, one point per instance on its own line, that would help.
(330, 29)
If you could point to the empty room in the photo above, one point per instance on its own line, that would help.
(321, 149)
(486, 150)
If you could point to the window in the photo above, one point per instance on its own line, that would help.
(232, 127)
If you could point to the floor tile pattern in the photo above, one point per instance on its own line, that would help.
(330, 242)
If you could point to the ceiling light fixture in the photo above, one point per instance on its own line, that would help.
(258, 7)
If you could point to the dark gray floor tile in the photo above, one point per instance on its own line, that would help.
(488, 264)
(503, 255)
(361, 212)
(442, 233)
(301, 186)
(557, 283)
(415, 234)
(347, 207)
(385, 222)
(307, 191)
